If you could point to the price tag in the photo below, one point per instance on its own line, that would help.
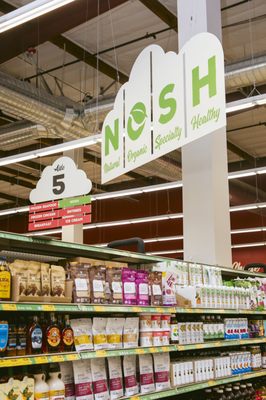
(159, 310)
(101, 353)
(9, 307)
(140, 351)
(164, 349)
(136, 309)
(199, 346)
(48, 307)
(100, 308)
(211, 382)
(180, 348)
(72, 357)
(58, 358)
(41, 360)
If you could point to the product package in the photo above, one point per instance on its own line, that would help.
(155, 288)
(45, 279)
(97, 284)
(146, 374)
(67, 376)
(99, 379)
(83, 380)
(99, 333)
(161, 371)
(58, 280)
(142, 287)
(12, 389)
(130, 375)
(19, 269)
(129, 286)
(115, 378)
(82, 330)
(169, 280)
(114, 332)
(131, 332)
(114, 283)
(34, 279)
(79, 273)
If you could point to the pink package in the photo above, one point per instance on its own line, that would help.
(142, 286)
(129, 286)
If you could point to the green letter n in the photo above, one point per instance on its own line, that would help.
(111, 136)
(209, 80)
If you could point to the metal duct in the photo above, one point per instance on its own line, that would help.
(62, 117)
(245, 73)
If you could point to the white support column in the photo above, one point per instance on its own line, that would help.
(206, 220)
(74, 233)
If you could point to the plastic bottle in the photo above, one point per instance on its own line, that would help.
(55, 383)
(41, 388)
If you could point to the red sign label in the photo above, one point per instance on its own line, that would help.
(44, 215)
(75, 210)
(44, 206)
(77, 219)
(42, 225)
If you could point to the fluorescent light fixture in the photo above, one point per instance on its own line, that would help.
(247, 230)
(241, 175)
(246, 103)
(244, 207)
(163, 252)
(30, 11)
(49, 151)
(241, 245)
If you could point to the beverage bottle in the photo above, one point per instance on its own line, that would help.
(67, 336)
(220, 395)
(3, 337)
(236, 392)
(11, 349)
(21, 337)
(244, 391)
(41, 388)
(208, 394)
(5, 280)
(173, 329)
(251, 391)
(53, 336)
(55, 383)
(229, 394)
(35, 337)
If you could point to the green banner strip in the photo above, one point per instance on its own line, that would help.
(74, 201)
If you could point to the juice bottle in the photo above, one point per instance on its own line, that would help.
(53, 335)
(35, 337)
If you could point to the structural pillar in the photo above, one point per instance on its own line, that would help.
(206, 222)
(74, 233)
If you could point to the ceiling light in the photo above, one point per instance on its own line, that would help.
(238, 107)
(246, 103)
(244, 207)
(238, 246)
(241, 175)
(16, 159)
(28, 12)
(247, 230)
(166, 252)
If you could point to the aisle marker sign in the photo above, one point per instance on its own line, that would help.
(58, 183)
(170, 100)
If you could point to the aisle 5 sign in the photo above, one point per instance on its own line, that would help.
(170, 100)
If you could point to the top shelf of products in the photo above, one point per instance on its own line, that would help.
(50, 247)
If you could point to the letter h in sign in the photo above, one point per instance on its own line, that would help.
(209, 79)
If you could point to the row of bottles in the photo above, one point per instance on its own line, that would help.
(36, 335)
(236, 391)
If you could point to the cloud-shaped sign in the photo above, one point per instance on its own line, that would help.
(61, 180)
(169, 101)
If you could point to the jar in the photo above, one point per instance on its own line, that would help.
(157, 338)
(256, 360)
(145, 322)
(166, 322)
(165, 338)
(156, 322)
(146, 339)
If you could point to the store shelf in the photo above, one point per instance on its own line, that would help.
(220, 343)
(197, 386)
(73, 356)
(217, 311)
(108, 308)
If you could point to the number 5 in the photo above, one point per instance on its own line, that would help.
(58, 185)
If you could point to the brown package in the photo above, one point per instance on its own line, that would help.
(79, 273)
(155, 288)
(114, 283)
(19, 269)
(34, 279)
(45, 279)
(58, 280)
(97, 284)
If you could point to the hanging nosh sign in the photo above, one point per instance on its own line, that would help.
(58, 187)
(170, 100)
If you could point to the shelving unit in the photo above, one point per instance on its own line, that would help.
(12, 244)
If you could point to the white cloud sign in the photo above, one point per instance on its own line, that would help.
(61, 180)
(170, 100)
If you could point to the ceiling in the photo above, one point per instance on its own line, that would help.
(80, 55)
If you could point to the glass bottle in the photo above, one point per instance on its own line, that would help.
(251, 391)
(5, 280)
(67, 336)
(53, 335)
(229, 394)
(35, 337)
(21, 337)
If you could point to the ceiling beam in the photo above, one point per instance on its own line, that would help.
(83, 55)
(16, 181)
(162, 12)
(18, 174)
(46, 27)
(14, 199)
(240, 152)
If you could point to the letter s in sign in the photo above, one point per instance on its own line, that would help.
(58, 184)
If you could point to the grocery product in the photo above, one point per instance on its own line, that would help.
(83, 380)
(130, 375)
(146, 373)
(82, 329)
(67, 336)
(161, 371)
(155, 288)
(41, 388)
(58, 278)
(131, 332)
(129, 286)
(79, 273)
(55, 383)
(99, 333)
(114, 332)
(114, 280)
(67, 376)
(142, 288)
(99, 379)
(5, 281)
(35, 337)
(53, 335)
(97, 276)
(115, 378)
(45, 280)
